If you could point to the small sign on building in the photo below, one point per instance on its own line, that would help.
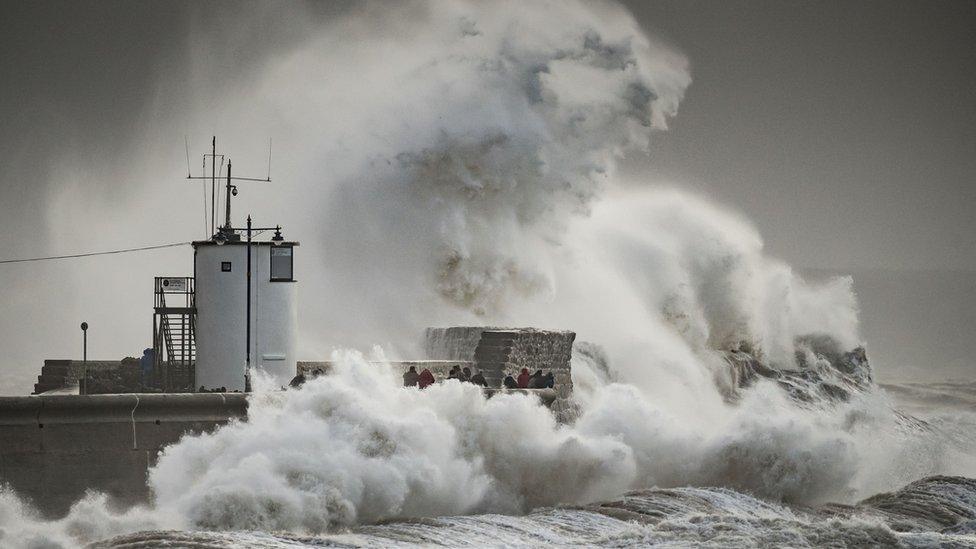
(175, 285)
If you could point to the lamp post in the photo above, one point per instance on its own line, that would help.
(276, 240)
(247, 360)
(84, 353)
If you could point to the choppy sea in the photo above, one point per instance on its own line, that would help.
(937, 511)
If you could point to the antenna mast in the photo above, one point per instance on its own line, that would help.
(213, 186)
(231, 190)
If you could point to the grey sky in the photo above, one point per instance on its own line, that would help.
(845, 131)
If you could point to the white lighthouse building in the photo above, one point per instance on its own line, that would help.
(236, 317)
(241, 325)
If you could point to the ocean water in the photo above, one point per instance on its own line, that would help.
(937, 511)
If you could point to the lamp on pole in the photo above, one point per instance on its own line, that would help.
(84, 353)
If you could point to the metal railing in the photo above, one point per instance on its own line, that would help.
(174, 333)
(174, 292)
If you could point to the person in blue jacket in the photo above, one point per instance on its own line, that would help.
(146, 365)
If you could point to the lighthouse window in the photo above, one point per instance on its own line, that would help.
(281, 264)
(225, 266)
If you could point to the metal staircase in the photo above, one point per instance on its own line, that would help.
(174, 334)
(178, 335)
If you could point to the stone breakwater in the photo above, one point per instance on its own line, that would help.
(499, 351)
(54, 448)
(495, 352)
(61, 373)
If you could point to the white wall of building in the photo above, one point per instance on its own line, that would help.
(274, 318)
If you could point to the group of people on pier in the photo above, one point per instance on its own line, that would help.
(538, 380)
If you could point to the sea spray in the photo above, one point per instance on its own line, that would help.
(91, 518)
(452, 194)
(354, 447)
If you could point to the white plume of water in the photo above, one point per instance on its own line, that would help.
(355, 447)
(469, 146)
(662, 280)
(481, 191)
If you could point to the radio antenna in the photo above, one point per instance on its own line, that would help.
(203, 186)
(230, 191)
(186, 143)
(213, 187)
(269, 159)
(220, 174)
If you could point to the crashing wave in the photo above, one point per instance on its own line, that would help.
(822, 373)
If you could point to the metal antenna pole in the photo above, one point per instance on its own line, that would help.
(186, 144)
(269, 159)
(231, 190)
(213, 187)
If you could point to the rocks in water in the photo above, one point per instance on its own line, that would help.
(822, 372)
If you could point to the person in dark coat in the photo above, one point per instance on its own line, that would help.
(510, 382)
(146, 364)
(523, 379)
(297, 381)
(426, 378)
(550, 381)
(479, 379)
(455, 372)
(410, 377)
(536, 381)
(465, 374)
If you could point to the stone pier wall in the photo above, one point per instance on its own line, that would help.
(454, 343)
(60, 373)
(54, 448)
(500, 351)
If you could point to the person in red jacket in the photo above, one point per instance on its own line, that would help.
(426, 378)
(523, 378)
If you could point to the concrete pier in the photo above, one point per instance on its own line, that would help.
(54, 448)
